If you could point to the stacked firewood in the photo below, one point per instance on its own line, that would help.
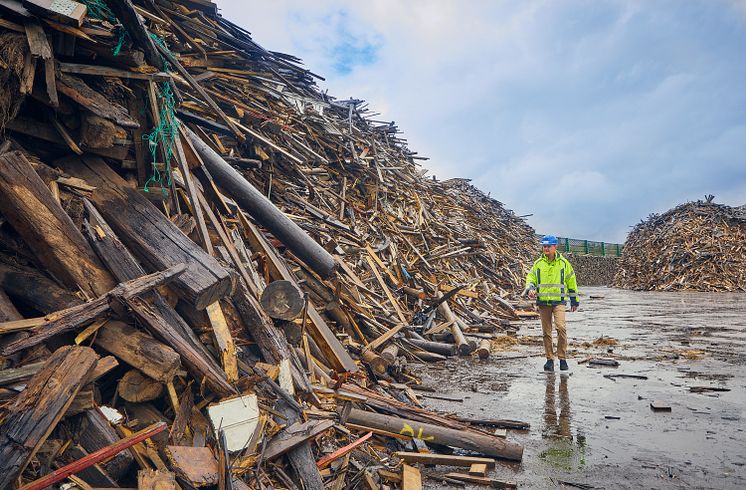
(697, 246)
(213, 273)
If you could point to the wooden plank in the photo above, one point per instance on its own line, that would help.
(96, 457)
(331, 457)
(196, 465)
(67, 12)
(386, 289)
(294, 436)
(481, 480)
(156, 480)
(444, 459)
(37, 410)
(80, 92)
(83, 314)
(478, 469)
(411, 478)
(107, 71)
(224, 341)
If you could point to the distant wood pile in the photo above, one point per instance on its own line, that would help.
(699, 246)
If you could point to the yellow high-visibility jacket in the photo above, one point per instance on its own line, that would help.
(554, 281)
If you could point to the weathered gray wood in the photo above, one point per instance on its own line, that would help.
(436, 347)
(77, 316)
(254, 202)
(149, 235)
(80, 92)
(38, 409)
(33, 289)
(152, 310)
(30, 207)
(126, 14)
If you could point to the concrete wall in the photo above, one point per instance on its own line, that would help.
(592, 270)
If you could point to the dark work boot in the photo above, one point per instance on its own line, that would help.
(549, 365)
(563, 365)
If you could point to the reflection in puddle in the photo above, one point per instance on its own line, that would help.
(557, 426)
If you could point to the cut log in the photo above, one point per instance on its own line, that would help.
(30, 207)
(374, 361)
(149, 235)
(472, 440)
(38, 409)
(139, 350)
(78, 316)
(152, 310)
(282, 300)
(135, 387)
(389, 353)
(436, 347)
(262, 209)
(483, 351)
(464, 347)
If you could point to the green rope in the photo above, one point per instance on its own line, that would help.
(163, 135)
(98, 9)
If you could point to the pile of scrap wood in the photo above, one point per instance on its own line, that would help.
(212, 273)
(695, 246)
(593, 270)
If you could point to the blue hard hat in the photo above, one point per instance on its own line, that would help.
(549, 240)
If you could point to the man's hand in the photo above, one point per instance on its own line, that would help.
(574, 308)
(532, 293)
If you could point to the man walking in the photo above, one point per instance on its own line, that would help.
(551, 280)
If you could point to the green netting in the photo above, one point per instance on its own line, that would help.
(165, 134)
(98, 9)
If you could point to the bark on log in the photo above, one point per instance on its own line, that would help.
(39, 408)
(389, 353)
(464, 347)
(139, 350)
(376, 362)
(149, 235)
(159, 317)
(262, 209)
(436, 347)
(31, 209)
(483, 351)
(472, 440)
(34, 289)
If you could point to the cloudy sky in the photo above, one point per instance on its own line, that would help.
(589, 114)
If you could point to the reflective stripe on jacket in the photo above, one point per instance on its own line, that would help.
(554, 281)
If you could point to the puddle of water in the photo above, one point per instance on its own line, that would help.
(589, 429)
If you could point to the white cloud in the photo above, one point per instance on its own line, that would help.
(637, 105)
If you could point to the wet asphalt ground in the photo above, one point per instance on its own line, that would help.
(588, 429)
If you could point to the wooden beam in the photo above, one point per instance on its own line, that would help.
(31, 209)
(37, 410)
(444, 459)
(481, 480)
(149, 235)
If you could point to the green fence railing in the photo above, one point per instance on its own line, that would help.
(589, 247)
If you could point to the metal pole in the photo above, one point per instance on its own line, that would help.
(586, 247)
(603, 250)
